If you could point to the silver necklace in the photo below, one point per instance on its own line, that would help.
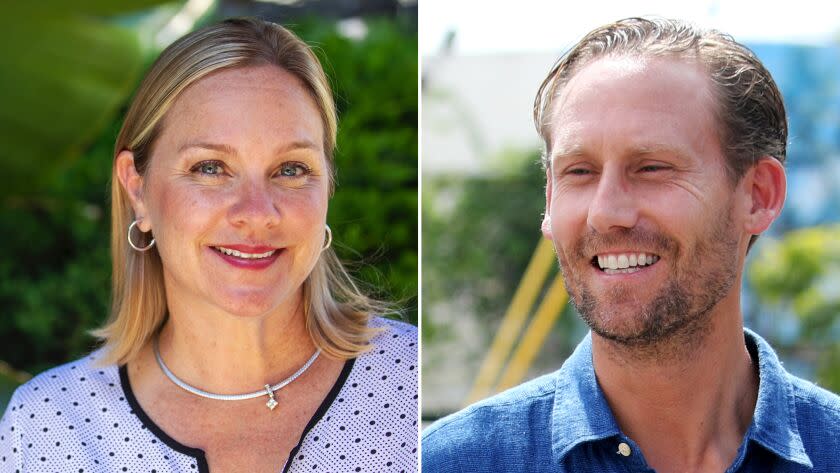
(268, 390)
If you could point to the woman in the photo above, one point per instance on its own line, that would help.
(236, 341)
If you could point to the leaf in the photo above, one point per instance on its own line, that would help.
(61, 84)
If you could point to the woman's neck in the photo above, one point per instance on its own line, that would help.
(227, 354)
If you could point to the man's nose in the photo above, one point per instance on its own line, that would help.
(255, 206)
(614, 205)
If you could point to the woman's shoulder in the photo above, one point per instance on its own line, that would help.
(66, 418)
(64, 381)
(395, 341)
(392, 358)
(394, 332)
(376, 403)
(58, 403)
(69, 386)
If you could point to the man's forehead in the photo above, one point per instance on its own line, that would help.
(625, 77)
(649, 103)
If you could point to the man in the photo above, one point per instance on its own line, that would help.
(664, 160)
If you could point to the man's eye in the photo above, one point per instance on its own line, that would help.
(579, 172)
(209, 168)
(652, 168)
(294, 170)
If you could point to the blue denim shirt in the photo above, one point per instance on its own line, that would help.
(561, 423)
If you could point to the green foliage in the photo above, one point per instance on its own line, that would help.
(480, 233)
(374, 211)
(55, 273)
(61, 84)
(801, 273)
(80, 8)
(802, 270)
(57, 285)
(828, 367)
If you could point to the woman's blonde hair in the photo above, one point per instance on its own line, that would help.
(336, 311)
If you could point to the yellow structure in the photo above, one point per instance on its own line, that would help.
(517, 314)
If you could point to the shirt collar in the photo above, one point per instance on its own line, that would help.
(581, 413)
(774, 422)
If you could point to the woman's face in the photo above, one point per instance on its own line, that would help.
(236, 192)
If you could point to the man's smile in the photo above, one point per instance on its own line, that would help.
(623, 263)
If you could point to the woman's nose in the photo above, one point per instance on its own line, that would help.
(255, 206)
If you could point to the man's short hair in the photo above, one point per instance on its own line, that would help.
(749, 109)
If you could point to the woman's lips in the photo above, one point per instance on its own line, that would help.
(247, 257)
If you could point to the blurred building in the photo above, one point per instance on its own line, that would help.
(476, 106)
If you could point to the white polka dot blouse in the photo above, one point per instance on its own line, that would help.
(82, 418)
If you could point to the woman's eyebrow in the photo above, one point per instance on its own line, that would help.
(228, 149)
(220, 147)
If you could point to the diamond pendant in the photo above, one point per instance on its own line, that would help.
(272, 403)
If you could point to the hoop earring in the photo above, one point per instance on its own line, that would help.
(329, 238)
(138, 248)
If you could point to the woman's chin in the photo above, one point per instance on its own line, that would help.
(254, 304)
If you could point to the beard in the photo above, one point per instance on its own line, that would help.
(678, 315)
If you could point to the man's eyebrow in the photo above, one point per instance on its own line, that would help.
(657, 149)
(566, 152)
(228, 149)
(575, 151)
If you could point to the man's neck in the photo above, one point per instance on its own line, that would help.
(687, 412)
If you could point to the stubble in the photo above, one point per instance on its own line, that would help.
(677, 319)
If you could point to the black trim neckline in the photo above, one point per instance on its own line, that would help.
(197, 453)
(322, 409)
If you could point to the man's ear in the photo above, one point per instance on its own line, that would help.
(546, 221)
(132, 184)
(765, 185)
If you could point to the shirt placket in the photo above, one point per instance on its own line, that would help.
(628, 453)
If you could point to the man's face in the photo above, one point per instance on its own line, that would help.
(639, 205)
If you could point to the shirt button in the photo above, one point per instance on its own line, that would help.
(624, 449)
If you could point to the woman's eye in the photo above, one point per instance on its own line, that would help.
(294, 170)
(209, 168)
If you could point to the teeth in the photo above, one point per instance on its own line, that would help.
(240, 254)
(625, 262)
